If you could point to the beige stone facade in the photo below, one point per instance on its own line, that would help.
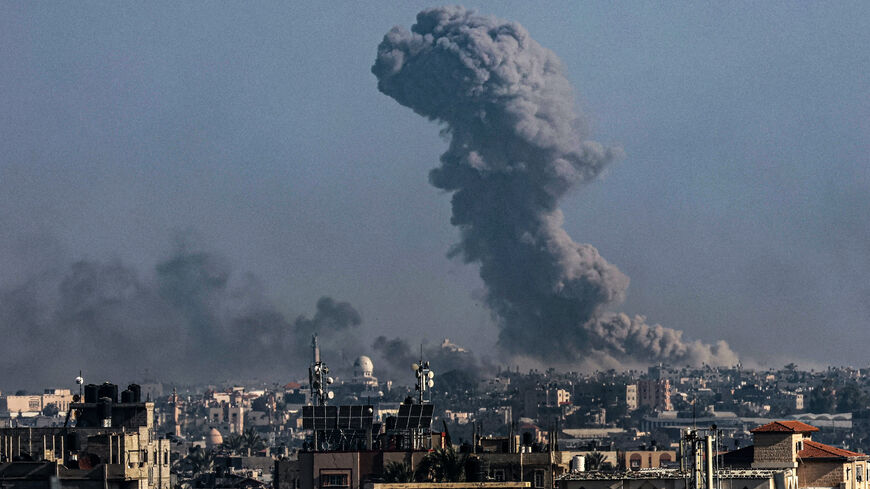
(35, 403)
(776, 450)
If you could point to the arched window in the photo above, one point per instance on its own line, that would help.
(635, 461)
(664, 459)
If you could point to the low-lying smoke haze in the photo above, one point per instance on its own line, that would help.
(191, 318)
(516, 147)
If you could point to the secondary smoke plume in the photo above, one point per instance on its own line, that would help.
(192, 319)
(454, 366)
(516, 147)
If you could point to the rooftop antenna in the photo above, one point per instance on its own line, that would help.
(80, 381)
(318, 378)
(424, 377)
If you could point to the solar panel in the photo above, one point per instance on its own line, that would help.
(403, 417)
(337, 417)
(426, 416)
(414, 417)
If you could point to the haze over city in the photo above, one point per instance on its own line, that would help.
(211, 186)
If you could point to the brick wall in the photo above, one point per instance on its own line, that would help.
(820, 474)
(775, 447)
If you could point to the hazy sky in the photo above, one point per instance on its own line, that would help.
(740, 210)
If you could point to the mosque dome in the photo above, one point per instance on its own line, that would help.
(363, 367)
(213, 438)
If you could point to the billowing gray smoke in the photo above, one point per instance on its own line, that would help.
(193, 319)
(455, 365)
(516, 147)
(330, 317)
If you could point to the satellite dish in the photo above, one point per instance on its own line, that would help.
(431, 374)
(415, 367)
(431, 383)
(330, 394)
(80, 380)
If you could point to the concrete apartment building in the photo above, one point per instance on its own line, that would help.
(106, 445)
(34, 404)
(631, 397)
(654, 394)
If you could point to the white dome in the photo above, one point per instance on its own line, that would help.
(363, 367)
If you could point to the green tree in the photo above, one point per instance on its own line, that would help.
(50, 409)
(201, 461)
(234, 444)
(398, 472)
(442, 465)
(252, 440)
(850, 399)
(595, 461)
(821, 400)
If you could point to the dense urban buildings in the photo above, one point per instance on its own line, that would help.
(778, 429)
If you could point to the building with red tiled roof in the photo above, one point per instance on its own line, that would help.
(785, 427)
(814, 449)
(786, 445)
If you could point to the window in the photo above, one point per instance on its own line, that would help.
(798, 446)
(498, 475)
(539, 478)
(664, 459)
(334, 480)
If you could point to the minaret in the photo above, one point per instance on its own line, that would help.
(176, 412)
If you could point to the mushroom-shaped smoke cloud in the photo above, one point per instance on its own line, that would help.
(516, 147)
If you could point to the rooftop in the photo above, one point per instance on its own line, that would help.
(668, 474)
(785, 427)
(813, 449)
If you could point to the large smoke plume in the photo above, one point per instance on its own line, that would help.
(516, 147)
(192, 319)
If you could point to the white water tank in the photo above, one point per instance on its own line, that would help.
(578, 463)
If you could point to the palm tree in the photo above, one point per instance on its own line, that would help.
(594, 461)
(252, 440)
(201, 461)
(234, 444)
(442, 465)
(398, 472)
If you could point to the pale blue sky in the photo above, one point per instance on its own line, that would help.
(740, 211)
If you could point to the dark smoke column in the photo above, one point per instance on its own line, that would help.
(515, 149)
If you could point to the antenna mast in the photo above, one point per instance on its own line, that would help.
(424, 378)
(317, 376)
